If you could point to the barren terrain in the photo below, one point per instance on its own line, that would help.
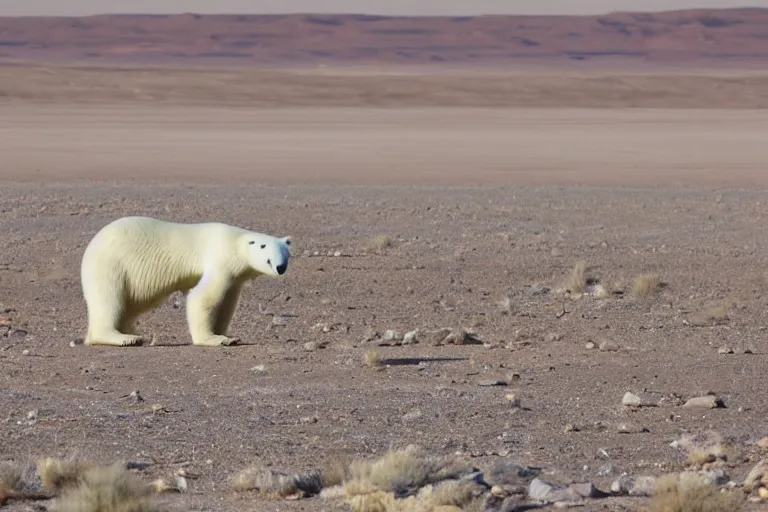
(487, 207)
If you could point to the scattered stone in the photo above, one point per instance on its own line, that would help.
(570, 427)
(553, 336)
(411, 337)
(631, 400)
(413, 415)
(337, 254)
(590, 345)
(513, 400)
(704, 402)
(370, 334)
(630, 428)
(311, 346)
(763, 443)
(32, 415)
(725, 350)
(279, 321)
(605, 470)
(136, 397)
(489, 383)
(544, 492)
(390, 335)
(640, 486)
(181, 484)
(748, 351)
(755, 476)
(609, 346)
(25, 352)
(259, 368)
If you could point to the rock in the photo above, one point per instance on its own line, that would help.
(390, 335)
(311, 346)
(704, 402)
(590, 345)
(725, 350)
(411, 337)
(437, 337)
(553, 336)
(631, 400)
(763, 493)
(136, 396)
(755, 475)
(763, 443)
(609, 346)
(337, 254)
(544, 492)
(630, 428)
(513, 400)
(640, 486)
(489, 383)
(370, 334)
(259, 368)
(25, 352)
(279, 321)
(413, 415)
(605, 470)
(570, 427)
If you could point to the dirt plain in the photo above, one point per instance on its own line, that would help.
(482, 200)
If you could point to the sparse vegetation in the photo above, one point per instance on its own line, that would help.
(646, 285)
(380, 242)
(577, 281)
(373, 358)
(676, 493)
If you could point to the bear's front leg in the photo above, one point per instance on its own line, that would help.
(203, 303)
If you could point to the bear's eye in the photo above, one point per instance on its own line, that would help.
(263, 246)
(287, 242)
(251, 242)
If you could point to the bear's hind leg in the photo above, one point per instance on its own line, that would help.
(109, 326)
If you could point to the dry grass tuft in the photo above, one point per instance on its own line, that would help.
(676, 493)
(373, 358)
(404, 481)
(380, 242)
(719, 452)
(59, 474)
(277, 484)
(646, 285)
(577, 281)
(105, 489)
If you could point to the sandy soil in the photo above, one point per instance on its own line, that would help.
(480, 206)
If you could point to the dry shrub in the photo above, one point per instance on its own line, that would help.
(372, 358)
(59, 474)
(11, 476)
(404, 481)
(646, 285)
(102, 489)
(577, 281)
(380, 242)
(717, 452)
(674, 493)
(277, 484)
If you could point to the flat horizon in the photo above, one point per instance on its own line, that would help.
(393, 8)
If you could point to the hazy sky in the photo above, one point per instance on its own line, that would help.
(445, 7)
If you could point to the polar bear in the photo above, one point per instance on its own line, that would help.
(134, 263)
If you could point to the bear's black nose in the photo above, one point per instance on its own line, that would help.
(281, 268)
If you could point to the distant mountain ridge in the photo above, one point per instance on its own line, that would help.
(686, 35)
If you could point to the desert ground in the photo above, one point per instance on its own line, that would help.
(417, 211)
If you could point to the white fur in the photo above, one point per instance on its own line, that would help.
(134, 263)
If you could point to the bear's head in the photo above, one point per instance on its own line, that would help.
(269, 255)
